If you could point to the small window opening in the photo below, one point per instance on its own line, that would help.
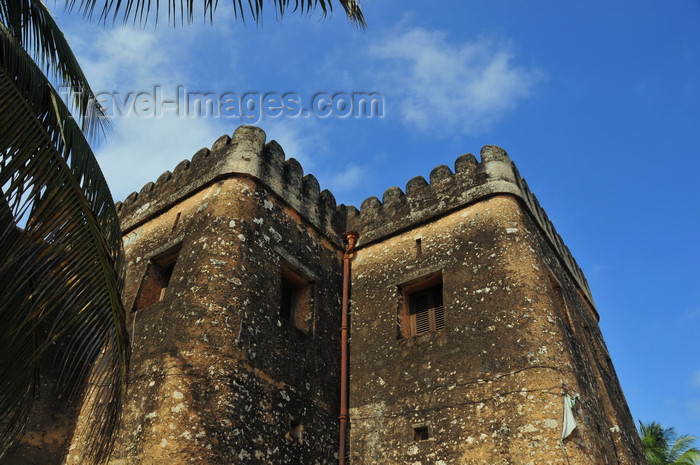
(157, 278)
(419, 248)
(422, 307)
(296, 430)
(420, 433)
(295, 299)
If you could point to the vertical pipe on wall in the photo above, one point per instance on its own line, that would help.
(351, 238)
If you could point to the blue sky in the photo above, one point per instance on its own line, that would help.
(597, 102)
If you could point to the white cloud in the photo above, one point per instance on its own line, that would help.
(124, 59)
(128, 58)
(432, 83)
(438, 84)
(122, 62)
(143, 148)
(348, 178)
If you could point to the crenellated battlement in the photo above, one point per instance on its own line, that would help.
(247, 154)
(446, 191)
(449, 191)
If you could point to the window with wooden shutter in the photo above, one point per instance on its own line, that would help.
(426, 310)
(422, 309)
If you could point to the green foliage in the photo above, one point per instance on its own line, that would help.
(664, 447)
(61, 264)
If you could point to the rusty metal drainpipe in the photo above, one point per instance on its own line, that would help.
(351, 238)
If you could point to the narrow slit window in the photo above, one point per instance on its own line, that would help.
(288, 299)
(295, 299)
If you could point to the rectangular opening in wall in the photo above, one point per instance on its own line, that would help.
(420, 433)
(421, 309)
(288, 301)
(157, 278)
(296, 430)
(295, 298)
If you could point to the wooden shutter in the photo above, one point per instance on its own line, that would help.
(421, 314)
(437, 310)
(426, 311)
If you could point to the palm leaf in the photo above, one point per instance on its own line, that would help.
(683, 453)
(31, 23)
(61, 273)
(139, 11)
(663, 446)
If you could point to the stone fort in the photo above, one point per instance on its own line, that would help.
(473, 336)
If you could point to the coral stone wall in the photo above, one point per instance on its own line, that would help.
(217, 376)
(489, 386)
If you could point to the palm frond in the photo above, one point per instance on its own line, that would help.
(682, 451)
(654, 442)
(663, 446)
(139, 11)
(62, 270)
(31, 23)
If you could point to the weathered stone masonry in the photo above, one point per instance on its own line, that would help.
(220, 376)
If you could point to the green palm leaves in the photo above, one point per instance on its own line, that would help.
(664, 447)
(61, 265)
